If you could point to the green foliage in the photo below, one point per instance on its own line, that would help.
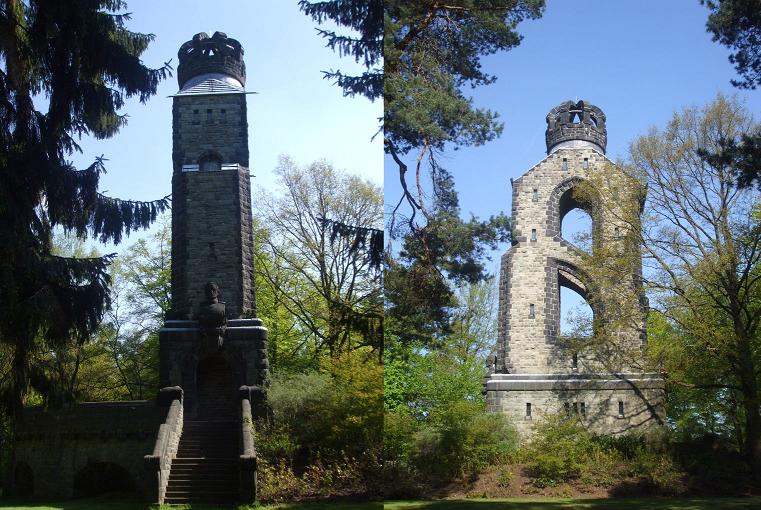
(432, 51)
(462, 439)
(561, 451)
(323, 281)
(457, 439)
(737, 24)
(365, 18)
(83, 62)
(325, 431)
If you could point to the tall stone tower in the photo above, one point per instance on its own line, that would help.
(211, 206)
(537, 371)
(212, 239)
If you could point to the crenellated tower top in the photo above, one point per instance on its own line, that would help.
(216, 56)
(576, 124)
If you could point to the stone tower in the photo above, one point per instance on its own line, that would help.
(211, 231)
(537, 371)
(211, 204)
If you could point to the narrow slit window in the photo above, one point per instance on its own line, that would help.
(575, 362)
(583, 409)
(620, 408)
(575, 408)
(195, 117)
(528, 410)
(531, 311)
(535, 196)
(565, 165)
(585, 164)
(533, 234)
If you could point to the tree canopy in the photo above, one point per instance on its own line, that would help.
(432, 51)
(737, 25)
(365, 17)
(65, 71)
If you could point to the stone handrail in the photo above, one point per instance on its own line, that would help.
(168, 439)
(247, 459)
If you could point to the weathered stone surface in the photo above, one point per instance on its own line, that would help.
(540, 261)
(59, 445)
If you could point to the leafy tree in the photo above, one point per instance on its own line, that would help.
(65, 71)
(140, 297)
(327, 284)
(431, 52)
(701, 241)
(365, 18)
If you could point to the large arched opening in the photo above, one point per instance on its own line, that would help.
(576, 214)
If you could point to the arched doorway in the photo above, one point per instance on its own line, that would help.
(216, 391)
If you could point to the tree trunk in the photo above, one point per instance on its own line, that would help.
(749, 384)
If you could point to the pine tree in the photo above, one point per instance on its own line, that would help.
(66, 69)
(432, 51)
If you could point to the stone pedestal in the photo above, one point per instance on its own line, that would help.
(183, 350)
(606, 404)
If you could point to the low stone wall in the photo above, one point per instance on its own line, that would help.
(53, 447)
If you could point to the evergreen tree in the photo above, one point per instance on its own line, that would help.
(365, 17)
(66, 69)
(431, 52)
(737, 25)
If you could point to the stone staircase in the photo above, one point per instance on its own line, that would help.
(206, 466)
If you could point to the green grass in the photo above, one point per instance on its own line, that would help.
(749, 503)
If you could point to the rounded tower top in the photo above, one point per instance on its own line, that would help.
(576, 124)
(216, 56)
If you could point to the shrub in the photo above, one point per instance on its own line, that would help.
(657, 470)
(325, 432)
(561, 451)
(461, 439)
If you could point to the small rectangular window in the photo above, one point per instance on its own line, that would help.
(223, 115)
(195, 117)
(586, 163)
(533, 234)
(528, 410)
(583, 409)
(575, 362)
(620, 408)
(531, 311)
(565, 165)
(208, 115)
(575, 408)
(535, 196)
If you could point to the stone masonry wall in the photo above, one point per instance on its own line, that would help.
(56, 446)
(600, 408)
(530, 269)
(212, 238)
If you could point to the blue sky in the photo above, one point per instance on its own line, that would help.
(637, 60)
(294, 112)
